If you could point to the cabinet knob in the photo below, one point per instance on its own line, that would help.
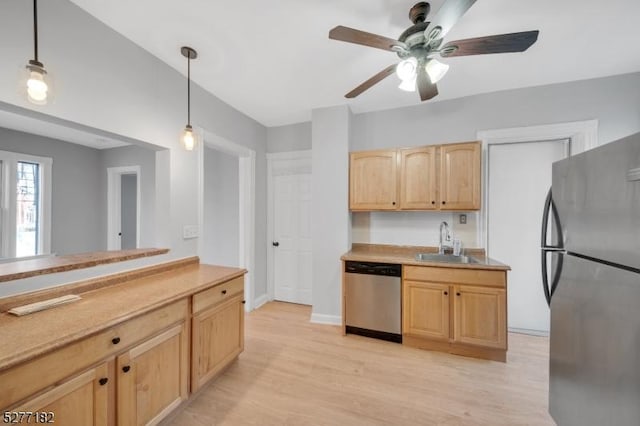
(115, 340)
(275, 244)
(394, 203)
(103, 381)
(126, 368)
(446, 293)
(444, 202)
(433, 202)
(224, 291)
(458, 294)
(244, 301)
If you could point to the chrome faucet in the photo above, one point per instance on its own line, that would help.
(446, 241)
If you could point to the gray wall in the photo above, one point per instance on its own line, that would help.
(295, 137)
(117, 86)
(221, 228)
(330, 224)
(146, 159)
(614, 101)
(77, 217)
(128, 211)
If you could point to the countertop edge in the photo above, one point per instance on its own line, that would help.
(378, 257)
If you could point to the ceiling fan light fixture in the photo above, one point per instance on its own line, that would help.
(436, 70)
(408, 85)
(407, 69)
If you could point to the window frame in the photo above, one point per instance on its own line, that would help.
(8, 202)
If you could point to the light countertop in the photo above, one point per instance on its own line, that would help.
(405, 255)
(32, 335)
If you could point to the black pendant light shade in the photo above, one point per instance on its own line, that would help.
(37, 81)
(188, 139)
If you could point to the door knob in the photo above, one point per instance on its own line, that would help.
(275, 244)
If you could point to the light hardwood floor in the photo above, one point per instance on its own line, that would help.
(293, 372)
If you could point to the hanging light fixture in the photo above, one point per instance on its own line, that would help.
(188, 139)
(37, 85)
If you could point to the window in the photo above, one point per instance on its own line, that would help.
(25, 198)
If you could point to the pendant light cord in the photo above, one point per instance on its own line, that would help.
(35, 29)
(189, 89)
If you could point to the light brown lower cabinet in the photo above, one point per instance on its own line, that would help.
(461, 311)
(218, 331)
(80, 400)
(153, 377)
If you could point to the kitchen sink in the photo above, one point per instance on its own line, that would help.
(447, 258)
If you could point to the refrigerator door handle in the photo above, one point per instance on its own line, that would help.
(549, 207)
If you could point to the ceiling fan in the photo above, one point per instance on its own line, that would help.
(418, 45)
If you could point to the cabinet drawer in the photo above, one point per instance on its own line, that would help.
(455, 276)
(33, 376)
(220, 292)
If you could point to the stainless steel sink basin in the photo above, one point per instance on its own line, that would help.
(447, 258)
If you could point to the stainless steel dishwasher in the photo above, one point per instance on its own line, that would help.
(373, 303)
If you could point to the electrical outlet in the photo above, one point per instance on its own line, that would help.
(463, 219)
(190, 231)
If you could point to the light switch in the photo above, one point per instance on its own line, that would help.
(463, 219)
(190, 231)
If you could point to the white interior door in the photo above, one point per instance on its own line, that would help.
(292, 238)
(519, 178)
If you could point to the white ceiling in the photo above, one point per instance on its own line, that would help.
(274, 62)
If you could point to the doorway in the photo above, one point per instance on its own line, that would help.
(243, 249)
(123, 195)
(519, 178)
(289, 228)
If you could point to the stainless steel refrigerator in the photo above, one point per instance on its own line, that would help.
(591, 276)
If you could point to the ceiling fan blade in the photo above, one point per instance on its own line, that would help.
(426, 89)
(373, 80)
(351, 35)
(503, 43)
(447, 16)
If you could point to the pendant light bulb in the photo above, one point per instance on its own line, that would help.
(188, 141)
(37, 87)
(436, 70)
(407, 69)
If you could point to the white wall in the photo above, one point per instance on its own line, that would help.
(330, 228)
(221, 228)
(104, 81)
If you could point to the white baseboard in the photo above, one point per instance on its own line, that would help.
(529, 332)
(259, 301)
(326, 319)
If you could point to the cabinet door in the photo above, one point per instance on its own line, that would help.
(425, 310)
(218, 337)
(373, 180)
(460, 176)
(418, 179)
(480, 316)
(153, 377)
(81, 400)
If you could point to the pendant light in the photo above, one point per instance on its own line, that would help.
(188, 140)
(37, 84)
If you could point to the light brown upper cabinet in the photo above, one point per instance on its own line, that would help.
(373, 180)
(418, 178)
(436, 177)
(460, 176)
